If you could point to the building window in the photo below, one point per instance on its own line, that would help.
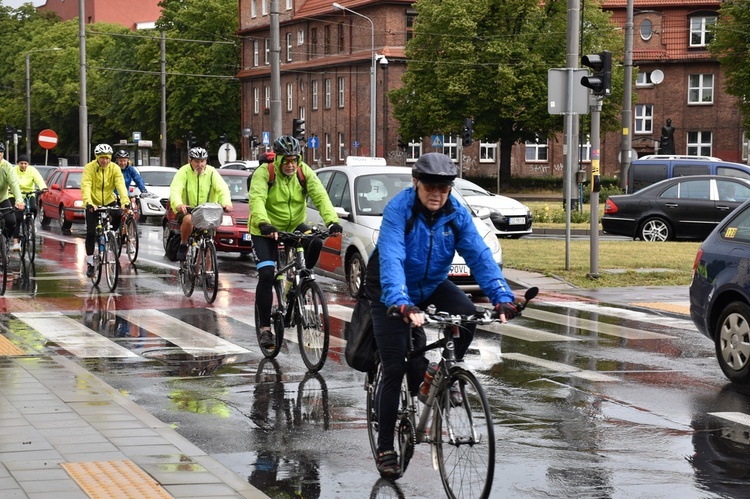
(450, 147)
(264, 7)
(341, 91)
(256, 100)
(314, 41)
(699, 144)
(701, 89)
(413, 150)
(288, 47)
(340, 47)
(267, 103)
(584, 150)
(342, 146)
(256, 53)
(253, 8)
(487, 152)
(644, 118)
(744, 146)
(289, 4)
(289, 96)
(328, 147)
(300, 37)
(301, 114)
(700, 36)
(646, 30)
(644, 79)
(267, 51)
(411, 16)
(327, 40)
(327, 90)
(314, 92)
(536, 151)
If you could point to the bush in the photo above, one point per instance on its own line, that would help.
(557, 215)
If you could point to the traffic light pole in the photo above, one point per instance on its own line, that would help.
(596, 114)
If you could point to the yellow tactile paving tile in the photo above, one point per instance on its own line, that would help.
(7, 348)
(667, 307)
(106, 479)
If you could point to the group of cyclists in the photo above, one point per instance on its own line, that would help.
(422, 228)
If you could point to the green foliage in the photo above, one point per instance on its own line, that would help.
(729, 46)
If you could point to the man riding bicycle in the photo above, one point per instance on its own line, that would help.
(28, 178)
(193, 184)
(423, 226)
(9, 191)
(281, 204)
(98, 184)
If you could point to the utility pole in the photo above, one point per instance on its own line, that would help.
(571, 121)
(163, 124)
(275, 51)
(83, 112)
(626, 146)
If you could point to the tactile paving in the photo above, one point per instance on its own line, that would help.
(667, 307)
(7, 348)
(106, 479)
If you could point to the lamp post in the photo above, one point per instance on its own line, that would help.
(28, 97)
(373, 79)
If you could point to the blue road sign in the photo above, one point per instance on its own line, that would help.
(266, 138)
(312, 142)
(355, 144)
(437, 141)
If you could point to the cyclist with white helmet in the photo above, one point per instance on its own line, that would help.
(129, 173)
(98, 184)
(281, 205)
(195, 183)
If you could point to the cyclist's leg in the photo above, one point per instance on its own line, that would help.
(115, 217)
(92, 218)
(18, 214)
(449, 298)
(265, 248)
(10, 219)
(312, 247)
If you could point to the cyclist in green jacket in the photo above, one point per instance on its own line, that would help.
(28, 178)
(283, 204)
(98, 183)
(193, 184)
(9, 190)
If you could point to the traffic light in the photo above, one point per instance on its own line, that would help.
(9, 132)
(223, 138)
(190, 139)
(254, 140)
(467, 132)
(601, 81)
(298, 129)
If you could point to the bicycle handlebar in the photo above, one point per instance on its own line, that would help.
(312, 233)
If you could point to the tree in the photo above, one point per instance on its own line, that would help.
(488, 59)
(731, 33)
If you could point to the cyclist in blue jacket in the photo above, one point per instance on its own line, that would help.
(423, 226)
(129, 172)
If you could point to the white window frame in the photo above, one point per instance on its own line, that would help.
(289, 47)
(264, 7)
(300, 37)
(699, 32)
(487, 152)
(701, 89)
(327, 93)
(584, 150)
(289, 96)
(267, 51)
(536, 148)
(301, 114)
(267, 100)
(413, 150)
(744, 146)
(328, 147)
(450, 146)
(699, 143)
(643, 119)
(314, 93)
(289, 4)
(341, 90)
(342, 147)
(253, 8)
(256, 53)
(643, 80)
(256, 100)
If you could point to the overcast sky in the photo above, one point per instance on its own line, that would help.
(17, 3)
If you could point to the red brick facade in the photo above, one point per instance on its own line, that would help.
(129, 13)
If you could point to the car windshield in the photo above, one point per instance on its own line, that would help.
(374, 191)
(470, 188)
(74, 180)
(158, 179)
(237, 186)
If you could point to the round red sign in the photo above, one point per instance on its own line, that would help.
(47, 139)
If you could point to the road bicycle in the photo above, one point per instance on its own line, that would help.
(4, 249)
(105, 249)
(128, 234)
(303, 305)
(200, 260)
(460, 433)
(28, 228)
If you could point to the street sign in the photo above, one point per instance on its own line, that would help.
(557, 92)
(227, 152)
(355, 144)
(47, 139)
(266, 138)
(312, 142)
(437, 141)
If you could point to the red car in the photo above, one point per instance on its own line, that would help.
(62, 201)
(232, 235)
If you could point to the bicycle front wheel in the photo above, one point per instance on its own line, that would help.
(313, 328)
(210, 272)
(187, 271)
(3, 263)
(372, 382)
(111, 264)
(98, 256)
(24, 239)
(31, 222)
(465, 438)
(277, 322)
(131, 239)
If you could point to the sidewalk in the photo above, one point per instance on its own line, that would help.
(64, 433)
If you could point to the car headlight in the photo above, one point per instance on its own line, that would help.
(226, 220)
(492, 242)
(496, 216)
(375, 235)
(78, 203)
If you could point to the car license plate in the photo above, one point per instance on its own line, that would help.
(459, 270)
(517, 220)
(247, 237)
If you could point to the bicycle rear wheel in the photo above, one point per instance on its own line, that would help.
(3, 263)
(31, 223)
(313, 326)
(98, 255)
(187, 271)
(465, 438)
(372, 381)
(277, 322)
(24, 239)
(131, 239)
(111, 264)
(210, 271)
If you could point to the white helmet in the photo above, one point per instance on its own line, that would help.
(103, 150)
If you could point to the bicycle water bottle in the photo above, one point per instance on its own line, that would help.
(424, 388)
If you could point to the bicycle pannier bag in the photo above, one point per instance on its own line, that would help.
(173, 246)
(207, 216)
(361, 351)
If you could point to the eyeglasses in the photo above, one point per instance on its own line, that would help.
(441, 188)
(290, 161)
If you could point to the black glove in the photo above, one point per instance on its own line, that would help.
(89, 207)
(267, 229)
(406, 310)
(127, 206)
(335, 228)
(510, 310)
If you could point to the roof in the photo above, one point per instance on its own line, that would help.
(641, 4)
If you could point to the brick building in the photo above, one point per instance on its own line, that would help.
(326, 56)
(135, 14)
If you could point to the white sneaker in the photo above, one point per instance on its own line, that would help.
(16, 247)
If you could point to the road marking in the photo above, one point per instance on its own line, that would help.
(624, 313)
(594, 326)
(735, 417)
(103, 479)
(559, 367)
(73, 336)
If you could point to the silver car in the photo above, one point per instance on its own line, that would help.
(359, 195)
(508, 216)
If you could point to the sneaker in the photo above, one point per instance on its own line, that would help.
(267, 340)
(16, 247)
(455, 394)
(387, 464)
(182, 252)
(90, 271)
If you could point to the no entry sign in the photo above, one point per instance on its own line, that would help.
(47, 139)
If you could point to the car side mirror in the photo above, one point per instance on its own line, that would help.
(342, 213)
(55, 187)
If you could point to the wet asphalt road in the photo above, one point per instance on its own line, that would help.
(589, 400)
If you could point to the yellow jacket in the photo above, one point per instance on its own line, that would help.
(28, 179)
(98, 184)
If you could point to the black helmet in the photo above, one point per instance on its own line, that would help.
(198, 153)
(434, 168)
(2, 147)
(122, 153)
(286, 145)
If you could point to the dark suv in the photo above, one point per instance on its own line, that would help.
(655, 168)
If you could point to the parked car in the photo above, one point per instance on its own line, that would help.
(240, 165)
(359, 195)
(62, 201)
(45, 171)
(648, 170)
(157, 180)
(232, 235)
(720, 293)
(509, 217)
(676, 208)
